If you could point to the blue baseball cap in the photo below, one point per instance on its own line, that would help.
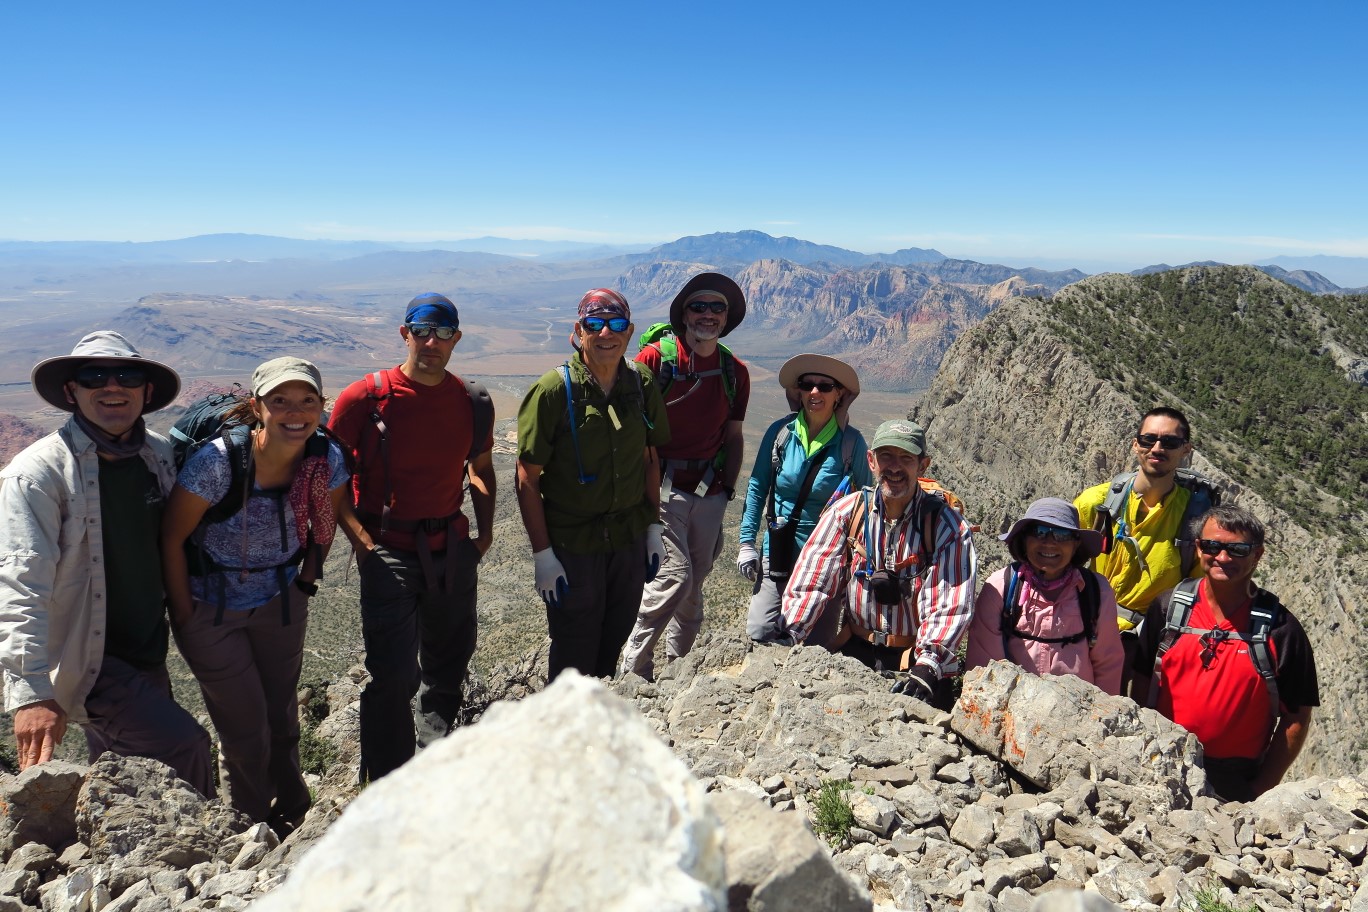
(433, 308)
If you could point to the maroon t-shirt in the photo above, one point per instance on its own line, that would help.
(429, 431)
(698, 409)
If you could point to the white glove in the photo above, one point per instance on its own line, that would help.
(655, 549)
(748, 561)
(552, 585)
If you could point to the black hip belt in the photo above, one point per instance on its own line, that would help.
(432, 526)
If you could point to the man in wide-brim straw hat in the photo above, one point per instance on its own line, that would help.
(83, 627)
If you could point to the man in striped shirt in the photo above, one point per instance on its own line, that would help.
(899, 563)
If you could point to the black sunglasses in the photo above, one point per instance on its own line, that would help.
(821, 386)
(423, 330)
(596, 324)
(1167, 441)
(1042, 532)
(93, 378)
(699, 307)
(1211, 547)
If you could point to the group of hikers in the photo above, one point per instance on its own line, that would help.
(113, 539)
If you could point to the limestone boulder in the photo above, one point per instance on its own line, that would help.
(565, 800)
(135, 812)
(1049, 728)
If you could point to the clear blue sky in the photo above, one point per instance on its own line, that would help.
(1084, 132)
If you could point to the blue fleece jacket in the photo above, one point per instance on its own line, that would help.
(793, 468)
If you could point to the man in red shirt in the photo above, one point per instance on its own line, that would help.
(706, 390)
(411, 431)
(1206, 640)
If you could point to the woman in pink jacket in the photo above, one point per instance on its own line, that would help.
(1060, 616)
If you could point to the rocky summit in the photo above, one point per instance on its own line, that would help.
(744, 778)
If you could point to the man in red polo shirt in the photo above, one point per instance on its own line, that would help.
(1199, 655)
(706, 389)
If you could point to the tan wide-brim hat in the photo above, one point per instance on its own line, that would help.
(827, 366)
(715, 282)
(50, 377)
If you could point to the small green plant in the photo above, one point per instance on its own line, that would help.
(1208, 899)
(834, 816)
(316, 755)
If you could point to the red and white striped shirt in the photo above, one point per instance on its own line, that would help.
(935, 609)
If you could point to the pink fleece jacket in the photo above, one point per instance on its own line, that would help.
(1100, 664)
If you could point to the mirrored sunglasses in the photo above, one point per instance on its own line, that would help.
(1166, 441)
(93, 378)
(1211, 548)
(1043, 532)
(596, 324)
(423, 330)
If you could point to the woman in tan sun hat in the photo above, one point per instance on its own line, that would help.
(242, 550)
(803, 460)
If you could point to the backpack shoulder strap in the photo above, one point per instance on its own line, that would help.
(847, 453)
(482, 408)
(776, 463)
(1264, 614)
(930, 508)
(378, 391)
(728, 372)
(1117, 493)
(1090, 605)
(1011, 606)
(237, 441)
(1176, 615)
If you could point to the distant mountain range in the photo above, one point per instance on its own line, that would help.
(1304, 279)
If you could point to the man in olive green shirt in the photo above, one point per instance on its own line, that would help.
(589, 488)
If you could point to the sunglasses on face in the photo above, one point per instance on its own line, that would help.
(1165, 441)
(821, 386)
(1044, 533)
(596, 324)
(1211, 548)
(423, 330)
(93, 378)
(699, 307)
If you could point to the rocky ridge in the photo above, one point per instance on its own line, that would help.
(1030, 790)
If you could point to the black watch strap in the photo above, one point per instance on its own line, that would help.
(309, 589)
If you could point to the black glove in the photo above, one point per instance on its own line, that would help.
(920, 683)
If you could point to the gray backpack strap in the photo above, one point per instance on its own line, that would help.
(1176, 615)
(1263, 614)
(1113, 509)
(776, 462)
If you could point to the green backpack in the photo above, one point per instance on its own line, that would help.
(663, 336)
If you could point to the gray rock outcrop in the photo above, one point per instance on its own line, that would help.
(562, 801)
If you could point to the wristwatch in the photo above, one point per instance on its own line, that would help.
(730, 492)
(309, 589)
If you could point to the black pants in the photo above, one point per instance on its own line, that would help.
(418, 641)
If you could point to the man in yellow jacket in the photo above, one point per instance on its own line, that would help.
(1145, 558)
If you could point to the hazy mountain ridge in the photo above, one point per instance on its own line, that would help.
(1304, 279)
(893, 323)
(1019, 411)
(740, 247)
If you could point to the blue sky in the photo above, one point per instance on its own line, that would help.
(1089, 133)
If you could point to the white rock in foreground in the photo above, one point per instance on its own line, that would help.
(565, 800)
